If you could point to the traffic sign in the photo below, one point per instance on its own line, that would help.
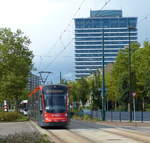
(5, 107)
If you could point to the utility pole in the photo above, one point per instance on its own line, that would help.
(129, 69)
(103, 78)
(60, 78)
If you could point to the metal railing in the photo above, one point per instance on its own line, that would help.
(119, 116)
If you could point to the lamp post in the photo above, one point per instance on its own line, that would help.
(103, 78)
(129, 70)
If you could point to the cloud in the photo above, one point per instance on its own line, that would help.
(26, 11)
(68, 76)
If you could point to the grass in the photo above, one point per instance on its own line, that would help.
(25, 138)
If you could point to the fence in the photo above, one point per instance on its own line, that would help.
(119, 116)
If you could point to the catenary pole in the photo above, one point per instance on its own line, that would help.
(103, 77)
(129, 69)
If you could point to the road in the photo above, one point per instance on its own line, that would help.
(87, 132)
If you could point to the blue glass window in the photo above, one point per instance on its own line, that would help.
(99, 47)
(93, 55)
(94, 51)
(88, 67)
(94, 59)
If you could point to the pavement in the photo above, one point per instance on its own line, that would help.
(118, 123)
(9, 128)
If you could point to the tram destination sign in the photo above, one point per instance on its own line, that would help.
(49, 91)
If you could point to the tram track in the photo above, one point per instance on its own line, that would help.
(137, 136)
(87, 132)
(67, 136)
(62, 135)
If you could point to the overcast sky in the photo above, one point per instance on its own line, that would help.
(45, 20)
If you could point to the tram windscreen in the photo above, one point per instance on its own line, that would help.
(55, 101)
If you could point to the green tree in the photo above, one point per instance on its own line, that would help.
(111, 92)
(95, 91)
(83, 90)
(15, 64)
(141, 59)
(120, 73)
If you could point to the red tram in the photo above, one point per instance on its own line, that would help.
(48, 105)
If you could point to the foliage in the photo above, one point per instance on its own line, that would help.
(12, 116)
(29, 137)
(95, 91)
(83, 90)
(117, 81)
(15, 64)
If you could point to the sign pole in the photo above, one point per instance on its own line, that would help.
(134, 94)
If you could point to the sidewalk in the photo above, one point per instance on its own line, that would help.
(7, 128)
(117, 123)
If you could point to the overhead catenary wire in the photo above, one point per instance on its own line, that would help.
(106, 3)
(60, 52)
(67, 27)
(60, 38)
(65, 30)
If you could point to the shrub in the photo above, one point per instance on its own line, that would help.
(12, 116)
(24, 138)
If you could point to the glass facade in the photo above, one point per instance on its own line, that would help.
(89, 34)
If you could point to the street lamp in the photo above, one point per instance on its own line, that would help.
(103, 78)
(129, 69)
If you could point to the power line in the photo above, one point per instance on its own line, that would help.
(106, 3)
(64, 31)
(58, 55)
(68, 25)
(60, 38)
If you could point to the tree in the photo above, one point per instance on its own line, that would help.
(141, 59)
(112, 91)
(83, 90)
(15, 64)
(121, 73)
(95, 91)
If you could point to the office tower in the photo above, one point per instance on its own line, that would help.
(106, 28)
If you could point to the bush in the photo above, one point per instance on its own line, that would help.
(12, 116)
(24, 138)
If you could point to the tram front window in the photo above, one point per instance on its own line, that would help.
(55, 103)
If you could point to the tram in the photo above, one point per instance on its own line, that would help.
(48, 105)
